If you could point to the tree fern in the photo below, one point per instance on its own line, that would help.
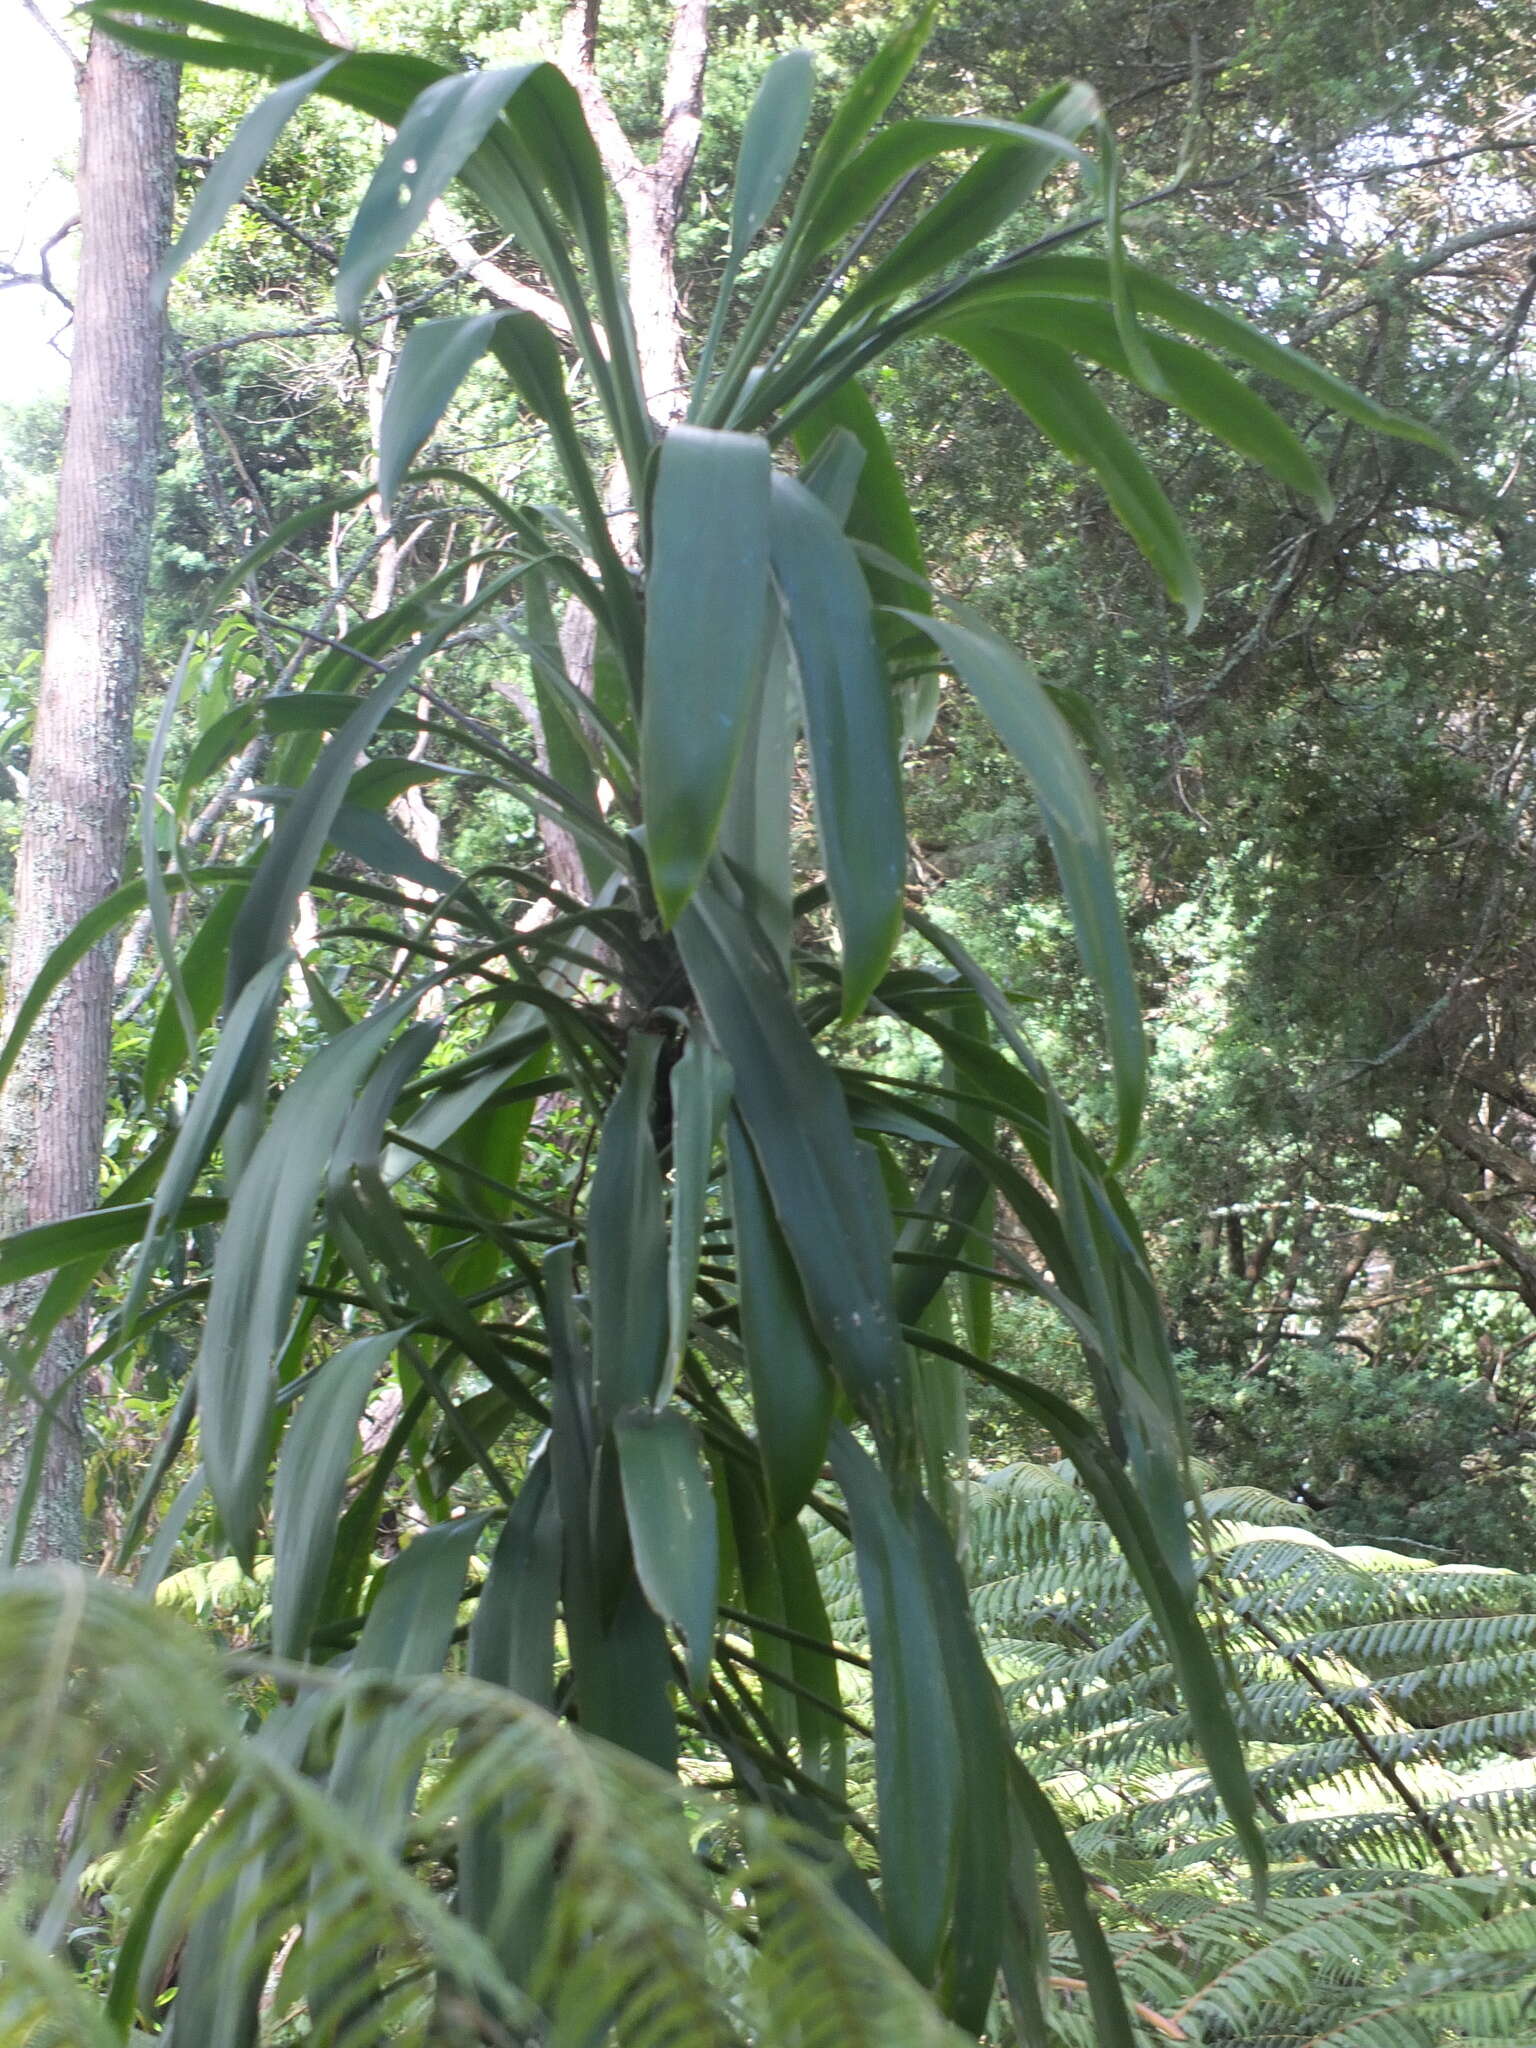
(1387, 1706)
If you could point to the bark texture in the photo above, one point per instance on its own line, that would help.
(52, 1111)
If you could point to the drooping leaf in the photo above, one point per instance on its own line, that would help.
(257, 1270)
(671, 1514)
(818, 1704)
(1154, 297)
(627, 1244)
(1032, 730)
(810, 1161)
(92, 1236)
(248, 149)
(443, 128)
(706, 603)
(700, 1086)
(1047, 384)
(850, 730)
(791, 1387)
(241, 1049)
(512, 1644)
(754, 840)
(266, 916)
(620, 1670)
(881, 513)
(317, 1453)
(917, 1755)
(983, 1845)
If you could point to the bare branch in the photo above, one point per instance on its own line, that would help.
(578, 52)
(682, 100)
(43, 275)
(452, 236)
(1433, 259)
(51, 31)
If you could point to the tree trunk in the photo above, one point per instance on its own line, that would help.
(52, 1112)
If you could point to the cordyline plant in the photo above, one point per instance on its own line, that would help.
(762, 1305)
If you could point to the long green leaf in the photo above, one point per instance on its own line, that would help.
(754, 840)
(1193, 379)
(627, 1244)
(671, 1515)
(620, 1669)
(1154, 297)
(1046, 384)
(917, 1754)
(318, 1449)
(792, 1392)
(700, 1086)
(810, 1161)
(983, 1847)
(267, 914)
(93, 1236)
(770, 142)
(241, 1050)
(818, 1704)
(257, 1270)
(512, 1644)
(438, 355)
(444, 127)
(906, 146)
(512, 1639)
(706, 603)
(83, 938)
(850, 729)
(248, 149)
(1032, 729)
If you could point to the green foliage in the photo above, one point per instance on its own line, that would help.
(1386, 1702)
(379, 1187)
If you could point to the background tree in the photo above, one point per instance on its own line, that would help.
(79, 768)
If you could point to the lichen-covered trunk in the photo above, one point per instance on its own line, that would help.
(53, 1108)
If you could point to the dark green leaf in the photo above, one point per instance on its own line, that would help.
(1032, 729)
(700, 1085)
(705, 608)
(1045, 382)
(810, 1161)
(791, 1386)
(257, 1270)
(917, 1755)
(1087, 277)
(627, 1244)
(850, 730)
(318, 1449)
(671, 1514)
(93, 1236)
(241, 1051)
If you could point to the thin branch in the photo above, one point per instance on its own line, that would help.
(43, 275)
(51, 31)
(315, 244)
(1523, 224)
